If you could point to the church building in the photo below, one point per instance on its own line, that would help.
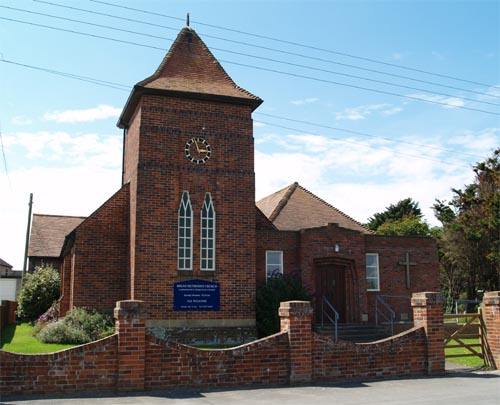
(184, 234)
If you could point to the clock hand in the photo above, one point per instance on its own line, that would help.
(197, 147)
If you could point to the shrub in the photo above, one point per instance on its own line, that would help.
(278, 288)
(39, 290)
(78, 326)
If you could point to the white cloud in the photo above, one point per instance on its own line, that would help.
(363, 111)
(101, 112)
(305, 101)
(86, 149)
(438, 55)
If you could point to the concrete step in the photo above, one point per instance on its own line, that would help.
(356, 333)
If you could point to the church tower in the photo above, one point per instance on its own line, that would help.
(189, 163)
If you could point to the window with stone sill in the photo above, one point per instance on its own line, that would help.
(207, 245)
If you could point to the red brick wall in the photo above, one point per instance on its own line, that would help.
(163, 173)
(170, 365)
(130, 360)
(269, 238)
(491, 315)
(424, 276)
(99, 274)
(88, 368)
(402, 355)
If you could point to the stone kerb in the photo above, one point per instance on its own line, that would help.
(491, 316)
(428, 313)
(130, 324)
(296, 319)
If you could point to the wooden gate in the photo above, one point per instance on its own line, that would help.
(458, 327)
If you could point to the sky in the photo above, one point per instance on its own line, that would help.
(366, 103)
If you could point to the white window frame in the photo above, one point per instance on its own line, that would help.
(207, 234)
(377, 269)
(280, 268)
(185, 233)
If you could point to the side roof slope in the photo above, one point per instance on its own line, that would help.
(294, 208)
(48, 233)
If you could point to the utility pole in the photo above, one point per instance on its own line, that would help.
(27, 236)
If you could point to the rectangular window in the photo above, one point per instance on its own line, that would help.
(372, 272)
(274, 263)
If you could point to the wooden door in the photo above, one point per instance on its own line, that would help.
(330, 283)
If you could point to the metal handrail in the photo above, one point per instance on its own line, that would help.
(335, 321)
(378, 299)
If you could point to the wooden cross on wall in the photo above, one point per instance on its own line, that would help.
(407, 264)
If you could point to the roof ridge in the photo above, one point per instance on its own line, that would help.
(284, 200)
(59, 216)
(336, 209)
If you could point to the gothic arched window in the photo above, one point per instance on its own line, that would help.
(207, 249)
(185, 249)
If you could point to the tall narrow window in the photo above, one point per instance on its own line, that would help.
(185, 250)
(372, 272)
(207, 235)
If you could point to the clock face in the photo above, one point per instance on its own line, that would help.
(197, 150)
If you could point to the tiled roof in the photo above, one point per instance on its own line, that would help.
(48, 233)
(3, 263)
(189, 66)
(294, 208)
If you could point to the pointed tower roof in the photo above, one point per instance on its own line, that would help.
(190, 70)
(294, 208)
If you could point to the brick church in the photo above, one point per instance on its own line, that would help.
(185, 235)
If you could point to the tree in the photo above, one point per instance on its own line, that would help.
(39, 290)
(404, 208)
(406, 226)
(470, 242)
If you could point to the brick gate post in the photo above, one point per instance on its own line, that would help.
(428, 312)
(296, 319)
(130, 325)
(491, 317)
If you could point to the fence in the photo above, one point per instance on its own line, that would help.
(7, 313)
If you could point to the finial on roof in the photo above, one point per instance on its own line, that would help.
(187, 20)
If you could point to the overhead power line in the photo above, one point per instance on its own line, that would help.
(260, 68)
(123, 87)
(273, 49)
(257, 57)
(299, 44)
(360, 143)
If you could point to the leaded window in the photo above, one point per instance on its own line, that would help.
(185, 250)
(207, 247)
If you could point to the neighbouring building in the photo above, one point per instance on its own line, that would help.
(185, 235)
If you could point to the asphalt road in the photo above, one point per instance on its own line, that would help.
(454, 388)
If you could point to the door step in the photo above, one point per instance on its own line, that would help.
(356, 333)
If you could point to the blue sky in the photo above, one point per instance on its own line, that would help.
(61, 142)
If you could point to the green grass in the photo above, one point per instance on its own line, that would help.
(18, 339)
(473, 361)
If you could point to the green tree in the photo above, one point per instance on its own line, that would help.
(395, 212)
(406, 226)
(39, 290)
(470, 242)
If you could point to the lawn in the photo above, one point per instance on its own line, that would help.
(472, 361)
(17, 338)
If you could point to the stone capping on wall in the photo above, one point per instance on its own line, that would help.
(132, 361)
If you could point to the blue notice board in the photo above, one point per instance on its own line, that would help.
(196, 295)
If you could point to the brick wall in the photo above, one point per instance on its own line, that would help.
(131, 360)
(87, 368)
(99, 257)
(491, 314)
